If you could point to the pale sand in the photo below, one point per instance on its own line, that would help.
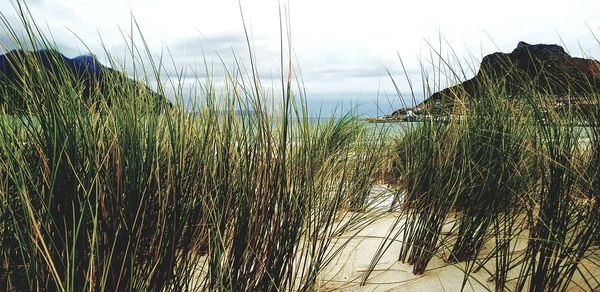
(345, 272)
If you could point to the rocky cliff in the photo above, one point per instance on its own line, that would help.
(546, 69)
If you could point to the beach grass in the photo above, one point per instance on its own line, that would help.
(115, 190)
(498, 171)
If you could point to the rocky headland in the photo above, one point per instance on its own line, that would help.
(542, 68)
(32, 70)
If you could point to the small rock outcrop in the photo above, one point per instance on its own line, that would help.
(547, 69)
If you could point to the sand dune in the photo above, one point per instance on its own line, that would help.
(346, 271)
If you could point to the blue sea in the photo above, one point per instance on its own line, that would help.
(362, 106)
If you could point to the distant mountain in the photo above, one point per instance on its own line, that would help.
(84, 70)
(547, 69)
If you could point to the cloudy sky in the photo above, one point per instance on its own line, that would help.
(343, 47)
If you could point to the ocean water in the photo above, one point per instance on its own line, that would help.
(326, 107)
(363, 107)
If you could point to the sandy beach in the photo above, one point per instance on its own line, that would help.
(346, 271)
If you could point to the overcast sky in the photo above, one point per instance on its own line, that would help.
(343, 47)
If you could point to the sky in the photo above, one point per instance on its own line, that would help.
(346, 50)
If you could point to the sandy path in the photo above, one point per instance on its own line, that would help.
(347, 269)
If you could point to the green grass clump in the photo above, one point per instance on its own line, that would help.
(104, 192)
(499, 169)
(424, 150)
